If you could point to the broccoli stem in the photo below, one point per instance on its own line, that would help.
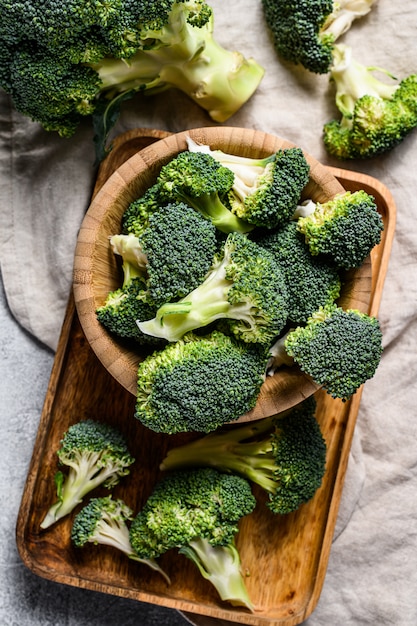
(218, 80)
(202, 306)
(221, 566)
(82, 478)
(213, 209)
(354, 80)
(233, 452)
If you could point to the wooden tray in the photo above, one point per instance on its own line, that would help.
(285, 557)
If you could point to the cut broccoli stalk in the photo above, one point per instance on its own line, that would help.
(245, 286)
(104, 521)
(221, 566)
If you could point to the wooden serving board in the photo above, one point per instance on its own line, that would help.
(285, 557)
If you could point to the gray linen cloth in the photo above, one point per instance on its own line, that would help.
(45, 188)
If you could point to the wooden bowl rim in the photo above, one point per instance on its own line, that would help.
(279, 392)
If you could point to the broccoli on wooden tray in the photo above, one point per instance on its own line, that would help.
(62, 61)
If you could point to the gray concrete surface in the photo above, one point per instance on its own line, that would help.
(26, 599)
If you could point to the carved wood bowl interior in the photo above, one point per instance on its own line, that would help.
(97, 272)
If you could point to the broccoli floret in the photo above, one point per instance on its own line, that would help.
(305, 31)
(339, 349)
(135, 218)
(173, 252)
(198, 513)
(201, 181)
(245, 286)
(65, 60)
(344, 229)
(376, 116)
(285, 455)
(104, 521)
(95, 454)
(198, 383)
(265, 191)
(311, 281)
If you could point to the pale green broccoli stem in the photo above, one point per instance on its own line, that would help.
(130, 249)
(279, 356)
(343, 15)
(212, 208)
(83, 476)
(115, 533)
(221, 566)
(202, 306)
(354, 80)
(230, 451)
(218, 80)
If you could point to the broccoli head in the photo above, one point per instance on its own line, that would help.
(198, 383)
(305, 31)
(376, 116)
(311, 281)
(344, 229)
(135, 219)
(95, 454)
(104, 521)
(265, 191)
(66, 60)
(245, 286)
(173, 252)
(285, 455)
(198, 512)
(339, 349)
(201, 181)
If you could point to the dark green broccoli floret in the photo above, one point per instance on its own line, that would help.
(103, 521)
(305, 31)
(376, 116)
(201, 181)
(95, 454)
(199, 383)
(339, 349)
(198, 513)
(245, 286)
(64, 60)
(311, 281)
(284, 454)
(265, 191)
(344, 229)
(173, 252)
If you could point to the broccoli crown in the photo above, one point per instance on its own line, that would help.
(270, 198)
(123, 307)
(339, 349)
(296, 28)
(198, 383)
(311, 281)
(198, 512)
(64, 60)
(201, 181)
(180, 245)
(345, 229)
(376, 116)
(304, 32)
(96, 454)
(283, 454)
(187, 505)
(245, 286)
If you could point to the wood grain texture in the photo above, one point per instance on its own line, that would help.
(285, 557)
(124, 176)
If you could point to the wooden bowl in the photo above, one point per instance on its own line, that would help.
(96, 271)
